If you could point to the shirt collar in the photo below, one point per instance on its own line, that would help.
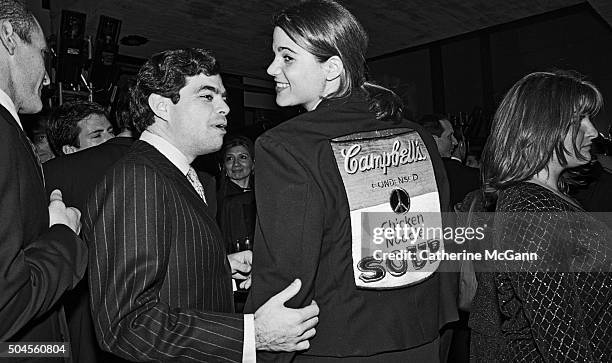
(173, 154)
(6, 101)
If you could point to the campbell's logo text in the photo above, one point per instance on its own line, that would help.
(354, 162)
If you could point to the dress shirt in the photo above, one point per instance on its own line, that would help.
(179, 160)
(6, 101)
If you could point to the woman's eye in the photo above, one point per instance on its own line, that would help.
(207, 97)
(287, 58)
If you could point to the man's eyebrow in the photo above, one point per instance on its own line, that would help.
(211, 89)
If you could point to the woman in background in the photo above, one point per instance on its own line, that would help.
(306, 215)
(557, 307)
(236, 198)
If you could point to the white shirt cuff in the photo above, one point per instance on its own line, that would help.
(248, 348)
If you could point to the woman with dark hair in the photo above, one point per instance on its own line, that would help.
(556, 306)
(238, 165)
(318, 176)
(235, 197)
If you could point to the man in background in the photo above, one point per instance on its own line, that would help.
(35, 126)
(77, 173)
(41, 255)
(461, 178)
(76, 126)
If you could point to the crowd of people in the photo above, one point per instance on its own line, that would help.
(119, 246)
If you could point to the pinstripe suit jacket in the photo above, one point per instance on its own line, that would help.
(159, 276)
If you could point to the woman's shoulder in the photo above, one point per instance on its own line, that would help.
(530, 197)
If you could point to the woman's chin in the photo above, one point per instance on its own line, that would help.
(239, 179)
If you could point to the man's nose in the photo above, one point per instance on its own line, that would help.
(223, 108)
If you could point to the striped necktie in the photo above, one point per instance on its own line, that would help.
(192, 176)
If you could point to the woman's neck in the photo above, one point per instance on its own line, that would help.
(242, 183)
(549, 181)
(548, 177)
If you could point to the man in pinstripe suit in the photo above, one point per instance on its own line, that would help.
(159, 277)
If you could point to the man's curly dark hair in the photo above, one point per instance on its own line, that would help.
(165, 74)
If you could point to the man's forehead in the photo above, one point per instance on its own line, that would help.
(94, 120)
(203, 82)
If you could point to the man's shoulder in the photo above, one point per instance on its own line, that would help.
(138, 155)
(142, 159)
(457, 166)
(9, 129)
(109, 151)
(6, 116)
(119, 143)
(112, 148)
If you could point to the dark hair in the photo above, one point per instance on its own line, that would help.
(238, 140)
(531, 123)
(121, 112)
(431, 123)
(165, 74)
(325, 29)
(63, 128)
(22, 20)
(35, 123)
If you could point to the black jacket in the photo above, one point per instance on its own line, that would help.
(76, 175)
(37, 263)
(461, 179)
(304, 231)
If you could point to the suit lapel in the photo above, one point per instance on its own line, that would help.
(173, 173)
(27, 144)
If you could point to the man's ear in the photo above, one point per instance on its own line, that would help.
(8, 37)
(69, 149)
(159, 105)
(334, 67)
